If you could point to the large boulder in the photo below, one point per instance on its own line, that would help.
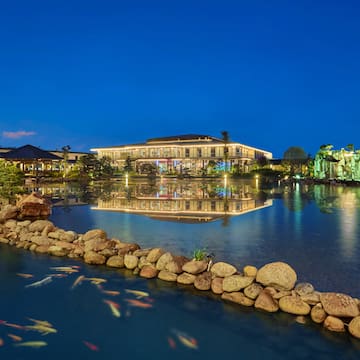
(294, 305)
(116, 261)
(354, 327)
(340, 305)
(167, 275)
(149, 272)
(237, 297)
(92, 257)
(195, 266)
(236, 282)
(94, 234)
(222, 269)
(186, 278)
(279, 275)
(266, 302)
(8, 212)
(33, 206)
(333, 323)
(318, 314)
(203, 281)
(40, 225)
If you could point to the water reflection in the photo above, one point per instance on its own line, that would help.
(193, 202)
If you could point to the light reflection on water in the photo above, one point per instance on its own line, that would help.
(315, 243)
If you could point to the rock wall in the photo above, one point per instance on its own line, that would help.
(271, 288)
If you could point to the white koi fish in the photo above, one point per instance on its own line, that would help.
(42, 282)
(139, 294)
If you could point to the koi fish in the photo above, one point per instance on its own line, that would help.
(42, 282)
(15, 326)
(34, 344)
(25, 276)
(78, 281)
(138, 303)
(110, 292)
(114, 307)
(188, 342)
(96, 281)
(171, 342)
(91, 346)
(186, 339)
(57, 275)
(139, 294)
(1, 342)
(67, 269)
(43, 330)
(41, 322)
(14, 337)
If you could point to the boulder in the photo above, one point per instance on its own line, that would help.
(354, 327)
(97, 244)
(41, 240)
(149, 272)
(250, 270)
(41, 249)
(266, 302)
(131, 261)
(203, 281)
(68, 236)
(154, 255)
(318, 314)
(237, 297)
(176, 264)
(8, 212)
(141, 252)
(304, 289)
(294, 305)
(40, 225)
(92, 257)
(236, 282)
(253, 290)
(115, 261)
(333, 323)
(186, 278)
(167, 275)
(340, 305)
(33, 206)
(217, 285)
(94, 234)
(311, 299)
(195, 266)
(163, 260)
(279, 275)
(222, 269)
(58, 250)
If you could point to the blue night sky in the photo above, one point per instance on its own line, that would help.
(274, 74)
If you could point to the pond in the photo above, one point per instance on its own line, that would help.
(314, 228)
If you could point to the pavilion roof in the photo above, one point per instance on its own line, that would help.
(29, 152)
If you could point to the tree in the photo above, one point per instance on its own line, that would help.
(65, 150)
(90, 167)
(11, 180)
(295, 157)
(226, 140)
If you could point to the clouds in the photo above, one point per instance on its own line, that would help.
(17, 134)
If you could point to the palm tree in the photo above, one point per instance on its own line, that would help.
(225, 139)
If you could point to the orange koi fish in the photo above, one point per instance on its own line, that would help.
(1, 342)
(138, 303)
(25, 276)
(111, 292)
(114, 307)
(91, 346)
(171, 342)
(78, 281)
(14, 337)
(15, 326)
(66, 269)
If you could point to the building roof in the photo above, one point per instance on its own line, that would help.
(187, 137)
(29, 152)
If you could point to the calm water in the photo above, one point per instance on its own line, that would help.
(315, 229)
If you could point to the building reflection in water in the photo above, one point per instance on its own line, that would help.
(193, 202)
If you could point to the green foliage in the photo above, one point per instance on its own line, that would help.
(200, 254)
(89, 167)
(295, 153)
(11, 181)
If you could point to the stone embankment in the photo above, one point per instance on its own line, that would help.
(271, 288)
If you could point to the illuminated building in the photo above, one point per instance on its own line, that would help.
(184, 154)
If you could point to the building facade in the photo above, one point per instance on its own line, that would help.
(184, 154)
